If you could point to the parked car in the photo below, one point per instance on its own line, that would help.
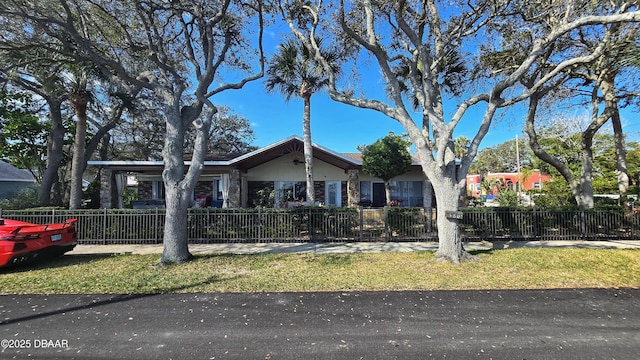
(22, 242)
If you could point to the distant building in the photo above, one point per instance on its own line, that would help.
(500, 181)
(12, 180)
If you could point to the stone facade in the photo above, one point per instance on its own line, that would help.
(234, 189)
(106, 189)
(145, 190)
(353, 188)
(203, 188)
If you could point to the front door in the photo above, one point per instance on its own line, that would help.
(379, 196)
(333, 193)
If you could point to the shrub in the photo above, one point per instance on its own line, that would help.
(23, 199)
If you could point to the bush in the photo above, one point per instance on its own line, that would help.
(23, 199)
(507, 198)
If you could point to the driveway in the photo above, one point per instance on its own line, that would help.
(522, 324)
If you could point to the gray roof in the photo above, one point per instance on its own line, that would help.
(9, 172)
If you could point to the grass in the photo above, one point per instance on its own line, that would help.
(523, 268)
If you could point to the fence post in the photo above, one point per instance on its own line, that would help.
(534, 222)
(583, 224)
(486, 223)
(386, 223)
(633, 223)
(259, 225)
(155, 228)
(104, 226)
(310, 225)
(361, 223)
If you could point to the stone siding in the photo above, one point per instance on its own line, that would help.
(145, 190)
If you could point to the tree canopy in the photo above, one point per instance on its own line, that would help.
(387, 158)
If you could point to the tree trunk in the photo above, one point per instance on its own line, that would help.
(79, 102)
(178, 186)
(55, 145)
(583, 191)
(387, 192)
(607, 86)
(175, 241)
(621, 157)
(449, 242)
(308, 150)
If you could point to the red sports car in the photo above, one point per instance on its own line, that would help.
(22, 242)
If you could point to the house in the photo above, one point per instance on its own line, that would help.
(241, 180)
(534, 179)
(13, 180)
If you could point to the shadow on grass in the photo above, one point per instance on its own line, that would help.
(53, 262)
(481, 252)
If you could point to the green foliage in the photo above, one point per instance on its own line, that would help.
(556, 193)
(22, 135)
(128, 195)
(91, 196)
(507, 198)
(266, 198)
(294, 72)
(387, 157)
(250, 224)
(23, 199)
(502, 158)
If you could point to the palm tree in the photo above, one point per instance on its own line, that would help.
(294, 72)
(79, 76)
(79, 98)
(460, 145)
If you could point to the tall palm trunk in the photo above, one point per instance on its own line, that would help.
(308, 147)
(79, 100)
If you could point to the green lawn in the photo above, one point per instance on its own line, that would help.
(523, 268)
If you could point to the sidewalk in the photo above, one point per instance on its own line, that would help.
(347, 247)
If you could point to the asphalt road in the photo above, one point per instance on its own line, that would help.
(532, 324)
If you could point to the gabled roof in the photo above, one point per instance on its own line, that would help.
(9, 172)
(291, 144)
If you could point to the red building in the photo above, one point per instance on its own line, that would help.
(500, 181)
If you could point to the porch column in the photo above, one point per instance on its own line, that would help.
(106, 182)
(234, 188)
(353, 188)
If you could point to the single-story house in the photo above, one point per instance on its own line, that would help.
(13, 180)
(242, 180)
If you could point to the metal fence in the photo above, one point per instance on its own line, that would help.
(337, 225)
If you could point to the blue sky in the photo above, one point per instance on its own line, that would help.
(334, 125)
(342, 127)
